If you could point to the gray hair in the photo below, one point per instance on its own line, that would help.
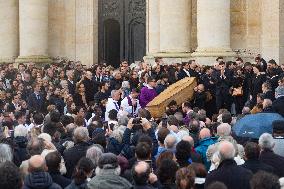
(224, 129)
(113, 92)
(6, 153)
(81, 134)
(20, 130)
(94, 153)
(123, 120)
(265, 141)
(279, 91)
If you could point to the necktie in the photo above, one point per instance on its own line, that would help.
(116, 106)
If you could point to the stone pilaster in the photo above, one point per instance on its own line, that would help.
(9, 13)
(33, 31)
(213, 31)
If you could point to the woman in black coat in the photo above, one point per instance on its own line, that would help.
(258, 79)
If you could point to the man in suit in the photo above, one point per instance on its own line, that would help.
(184, 71)
(35, 100)
(223, 81)
(278, 104)
(252, 162)
(70, 81)
(268, 156)
(14, 105)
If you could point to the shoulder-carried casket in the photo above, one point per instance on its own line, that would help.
(180, 91)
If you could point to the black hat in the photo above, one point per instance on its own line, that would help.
(108, 161)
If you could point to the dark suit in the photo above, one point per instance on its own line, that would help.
(278, 105)
(223, 84)
(269, 95)
(36, 103)
(182, 74)
(89, 90)
(232, 175)
(71, 87)
(270, 158)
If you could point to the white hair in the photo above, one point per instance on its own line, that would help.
(265, 141)
(20, 131)
(5, 153)
(94, 153)
(125, 84)
(45, 136)
(182, 133)
(224, 129)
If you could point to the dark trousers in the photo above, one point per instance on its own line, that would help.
(223, 100)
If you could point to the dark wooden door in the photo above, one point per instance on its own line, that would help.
(122, 30)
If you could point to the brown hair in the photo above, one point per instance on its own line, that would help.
(185, 178)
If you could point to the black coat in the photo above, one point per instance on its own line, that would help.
(39, 180)
(73, 155)
(89, 90)
(35, 104)
(255, 165)
(59, 179)
(232, 175)
(71, 87)
(20, 150)
(270, 158)
(278, 105)
(269, 95)
(182, 74)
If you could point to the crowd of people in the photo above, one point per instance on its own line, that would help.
(68, 126)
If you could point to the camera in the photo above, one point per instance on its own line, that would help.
(137, 124)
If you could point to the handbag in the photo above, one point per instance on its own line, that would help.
(238, 91)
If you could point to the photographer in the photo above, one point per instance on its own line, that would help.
(137, 127)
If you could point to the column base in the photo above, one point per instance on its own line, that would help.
(7, 60)
(168, 57)
(40, 59)
(208, 56)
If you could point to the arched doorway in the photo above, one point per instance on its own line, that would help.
(111, 42)
(122, 30)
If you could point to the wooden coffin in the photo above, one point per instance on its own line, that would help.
(180, 91)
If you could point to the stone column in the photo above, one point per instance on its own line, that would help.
(213, 30)
(33, 31)
(174, 27)
(9, 13)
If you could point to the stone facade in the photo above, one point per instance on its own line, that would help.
(33, 30)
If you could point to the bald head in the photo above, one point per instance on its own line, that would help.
(37, 164)
(141, 167)
(226, 150)
(170, 141)
(204, 133)
(224, 129)
(188, 139)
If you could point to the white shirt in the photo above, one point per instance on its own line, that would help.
(111, 104)
(187, 72)
(126, 107)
